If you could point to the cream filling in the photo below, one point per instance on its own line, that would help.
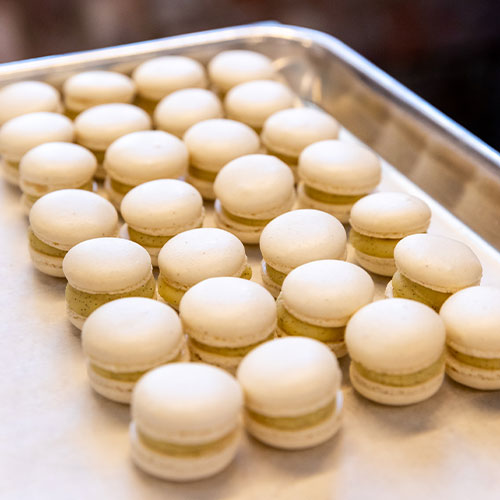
(274, 275)
(246, 221)
(202, 174)
(236, 352)
(331, 199)
(474, 361)
(376, 247)
(39, 246)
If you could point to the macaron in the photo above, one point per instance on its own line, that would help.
(27, 96)
(52, 166)
(317, 300)
(124, 339)
(91, 88)
(251, 191)
(292, 393)
(62, 219)
(472, 320)
(232, 67)
(140, 157)
(181, 109)
(431, 268)
(255, 101)
(97, 127)
(159, 77)
(288, 132)
(336, 174)
(195, 255)
(20, 134)
(397, 351)
(225, 318)
(379, 221)
(185, 421)
(105, 269)
(295, 238)
(156, 211)
(211, 145)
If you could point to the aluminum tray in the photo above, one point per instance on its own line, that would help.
(60, 440)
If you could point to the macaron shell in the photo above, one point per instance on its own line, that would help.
(270, 285)
(9, 173)
(477, 378)
(378, 265)
(390, 215)
(437, 262)
(205, 188)
(46, 264)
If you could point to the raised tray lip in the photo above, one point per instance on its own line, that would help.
(401, 95)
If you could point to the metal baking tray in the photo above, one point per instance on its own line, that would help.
(60, 440)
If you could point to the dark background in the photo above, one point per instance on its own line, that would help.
(447, 51)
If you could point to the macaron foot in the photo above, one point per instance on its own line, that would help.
(377, 265)
(47, 264)
(472, 376)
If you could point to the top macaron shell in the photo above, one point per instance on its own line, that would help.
(290, 376)
(339, 167)
(472, 319)
(228, 312)
(98, 126)
(232, 67)
(107, 265)
(289, 131)
(256, 186)
(161, 76)
(396, 336)
(24, 132)
(301, 236)
(25, 97)
(145, 156)
(66, 217)
(132, 334)
(437, 262)
(326, 292)
(390, 215)
(163, 207)
(214, 143)
(186, 403)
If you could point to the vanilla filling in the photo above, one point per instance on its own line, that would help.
(474, 361)
(331, 199)
(244, 220)
(274, 275)
(87, 186)
(202, 174)
(39, 246)
(370, 245)
(236, 352)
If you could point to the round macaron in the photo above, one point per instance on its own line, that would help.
(124, 339)
(27, 96)
(161, 76)
(97, 127)
(22, 133)
(255, 101)
(212, 144)
(318, 298)
(335, 174)
(195, 255)
(181, 109)
(251, 191)
(225, 318)
(431, 268)
(52, 166)
(156, 211)
(62, 219)
(288, 132)
(91, 88)
(472, 320)
(397, 351)
(186, 421)
(140, 157)
(105, 269)
(292, 393)
(295, 238)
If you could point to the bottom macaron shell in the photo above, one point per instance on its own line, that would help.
(152, 251)
(377, 265)
(113, 196)
(301, 439)
(270, 285)
(228, 363)
(250, 236)
(477, 378)
(391, 395)
(341, 212)
(174, 468)
(206, 188)
(338, 348)
(10, 173)
(47, 264)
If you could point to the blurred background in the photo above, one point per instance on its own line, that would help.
(447, 51)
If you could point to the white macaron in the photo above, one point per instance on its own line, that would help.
(472, 320)
(251, 191)
(212, 144)
(335, 174)
(292, 393)
(156, 211)
(295, 238)
(225, 318)
(397, 351)
(124, 339)
(186, 421)
(318, 298)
